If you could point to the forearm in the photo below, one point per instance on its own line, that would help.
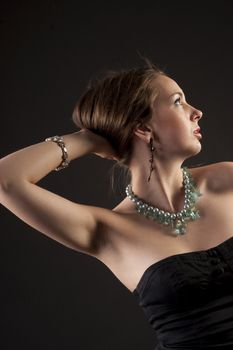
(34, 162)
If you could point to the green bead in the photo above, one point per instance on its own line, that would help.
(194, 196)
(178, 224)
(176, 231)
(197, 216)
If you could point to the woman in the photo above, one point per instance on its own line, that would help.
(170, 241)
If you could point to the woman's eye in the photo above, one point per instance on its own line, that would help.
(178, 99)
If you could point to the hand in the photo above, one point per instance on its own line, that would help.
(101, 146)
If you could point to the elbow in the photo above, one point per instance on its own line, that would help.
(4, 186)
(4, 178)
(7, 185)
(9, 180)
(3, 183)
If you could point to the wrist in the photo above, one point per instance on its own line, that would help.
(78, 144)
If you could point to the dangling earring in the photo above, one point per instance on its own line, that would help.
(152, 148)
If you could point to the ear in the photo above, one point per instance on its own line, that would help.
(144, 132)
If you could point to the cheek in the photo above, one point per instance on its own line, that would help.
(173, 126)
(174, 129)
(177, 135)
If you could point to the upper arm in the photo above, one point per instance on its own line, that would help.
(71, 224)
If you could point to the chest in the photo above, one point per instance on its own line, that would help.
(146, 242)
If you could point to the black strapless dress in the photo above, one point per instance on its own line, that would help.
(188, 299)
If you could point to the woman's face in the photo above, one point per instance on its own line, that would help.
(174, 120)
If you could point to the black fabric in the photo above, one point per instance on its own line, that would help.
(188, 299)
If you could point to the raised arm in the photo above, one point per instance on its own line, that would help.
(73, 225)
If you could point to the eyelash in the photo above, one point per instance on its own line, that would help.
(178, 99)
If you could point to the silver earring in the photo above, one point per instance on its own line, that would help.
(152, 148)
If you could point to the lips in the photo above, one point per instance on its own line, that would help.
(197, 130)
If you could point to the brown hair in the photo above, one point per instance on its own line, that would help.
(115, 104)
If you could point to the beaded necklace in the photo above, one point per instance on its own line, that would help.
(178, 221)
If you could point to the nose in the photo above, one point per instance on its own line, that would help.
(197, 113)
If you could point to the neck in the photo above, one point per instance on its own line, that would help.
(165, 189)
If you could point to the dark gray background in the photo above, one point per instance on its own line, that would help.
(53, 297)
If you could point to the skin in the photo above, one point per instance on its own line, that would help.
(135, 243)
(171, 126)
(127, 244)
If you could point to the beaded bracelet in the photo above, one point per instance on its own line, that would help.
(60, 142)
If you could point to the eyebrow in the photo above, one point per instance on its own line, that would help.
(178, 92)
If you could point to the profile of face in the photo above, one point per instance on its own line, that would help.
(174, 120)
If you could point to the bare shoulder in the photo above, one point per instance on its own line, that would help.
(217, 176)
(117, 223)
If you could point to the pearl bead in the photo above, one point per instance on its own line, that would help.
(176, 220)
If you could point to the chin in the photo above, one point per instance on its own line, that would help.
(196, 150)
